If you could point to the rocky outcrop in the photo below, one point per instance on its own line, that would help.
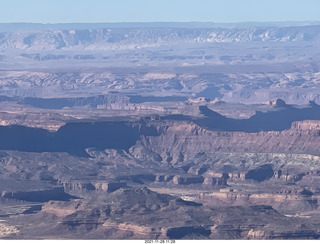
(60, 209)
(199, 100)
(196, 170)
(137, 231)
(187, 180)
(92, 185)
(163, 178)
(237, 176)
(42, 195)
(210, 181)
(213, 178)
(256, 234)
(109, 186)
(138, 178)
(261, 173)
(77, 185)
(287, 201)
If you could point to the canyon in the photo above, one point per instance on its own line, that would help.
(159, 131)
(180, 169)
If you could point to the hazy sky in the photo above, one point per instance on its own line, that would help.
(66, 11)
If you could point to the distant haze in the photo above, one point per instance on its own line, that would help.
(97, 11)
(8, 27)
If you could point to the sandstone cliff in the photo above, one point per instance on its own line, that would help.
(188, 139)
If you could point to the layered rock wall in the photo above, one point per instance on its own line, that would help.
(189, 139)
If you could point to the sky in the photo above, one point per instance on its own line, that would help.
(99, 11)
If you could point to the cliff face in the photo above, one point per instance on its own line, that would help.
(74, 137)
(188, 139)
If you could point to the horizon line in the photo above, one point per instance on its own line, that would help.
(166, 22)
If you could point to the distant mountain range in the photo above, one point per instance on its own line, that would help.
(238, 62)
(105, 37)
(5, 27)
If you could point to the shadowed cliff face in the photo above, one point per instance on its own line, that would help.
(261, 173)
(73, 138)
(272, 121)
